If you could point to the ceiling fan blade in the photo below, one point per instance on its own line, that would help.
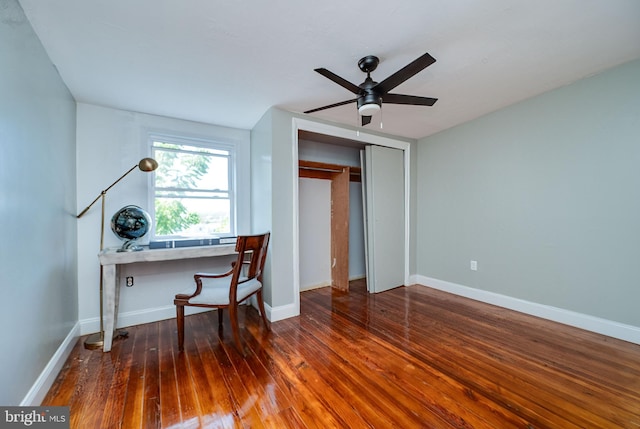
(408, 99)
(404, 73)
(342, 103)
(340, 81)
(366, 120)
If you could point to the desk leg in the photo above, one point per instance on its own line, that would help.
(109, 305)
(117, 304)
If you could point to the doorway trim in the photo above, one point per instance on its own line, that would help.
(351, 134)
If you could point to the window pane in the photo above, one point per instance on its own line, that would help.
(193, 192)
(181, 193)
(191, 171)
(188, 217)
(188, 148)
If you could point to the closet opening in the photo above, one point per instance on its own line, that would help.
(331, 223)
(379, 212)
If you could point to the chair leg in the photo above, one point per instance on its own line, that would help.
(233, 315)
(262, 312)
(220, 318)
(180, 319)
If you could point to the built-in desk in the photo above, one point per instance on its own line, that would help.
(111, 259)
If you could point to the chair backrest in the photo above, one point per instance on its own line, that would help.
(253, 247)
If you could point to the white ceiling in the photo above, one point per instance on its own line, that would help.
(226, 62)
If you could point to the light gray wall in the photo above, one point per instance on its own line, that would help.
(283, 166)
(545, 195)
(38, 259)
(261, 189)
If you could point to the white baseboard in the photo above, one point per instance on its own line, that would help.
(138, 317)
(413, 279)
(314, 286)
(282, 312)
(583, 321)
(45, 380)
(304, 288)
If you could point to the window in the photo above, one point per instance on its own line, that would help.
(193, 191)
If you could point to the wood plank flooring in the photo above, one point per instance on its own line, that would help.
(408, 358)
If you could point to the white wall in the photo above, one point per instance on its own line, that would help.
(39, 305)
(110, 141)
(315, 233)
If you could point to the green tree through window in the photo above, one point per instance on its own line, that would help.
(193, 196)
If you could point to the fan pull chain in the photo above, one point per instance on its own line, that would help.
(381, 118)
(357, 123)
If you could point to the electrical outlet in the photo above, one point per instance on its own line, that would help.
(129, 281)
(473, 265)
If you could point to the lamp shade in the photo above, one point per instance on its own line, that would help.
(148, 164)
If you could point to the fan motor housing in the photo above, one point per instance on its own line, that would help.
(369, 98)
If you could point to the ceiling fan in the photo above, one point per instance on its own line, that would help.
(371, 94)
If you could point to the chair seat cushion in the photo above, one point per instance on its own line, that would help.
(216, 291)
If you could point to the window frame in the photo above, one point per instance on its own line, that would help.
(237, 186)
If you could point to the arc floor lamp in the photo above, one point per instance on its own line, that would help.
(96, 341)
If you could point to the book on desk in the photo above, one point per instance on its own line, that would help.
(191, 242)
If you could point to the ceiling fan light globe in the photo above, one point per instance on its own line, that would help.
(369, 109)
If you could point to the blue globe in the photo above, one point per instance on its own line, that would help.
(130, 223)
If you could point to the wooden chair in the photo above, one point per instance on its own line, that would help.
(227, 290)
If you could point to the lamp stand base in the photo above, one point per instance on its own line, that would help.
(96, 341)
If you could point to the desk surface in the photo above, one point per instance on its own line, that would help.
(113, 257)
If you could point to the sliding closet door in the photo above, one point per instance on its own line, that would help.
(383, 182)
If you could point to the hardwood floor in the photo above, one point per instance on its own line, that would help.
(407, 358)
